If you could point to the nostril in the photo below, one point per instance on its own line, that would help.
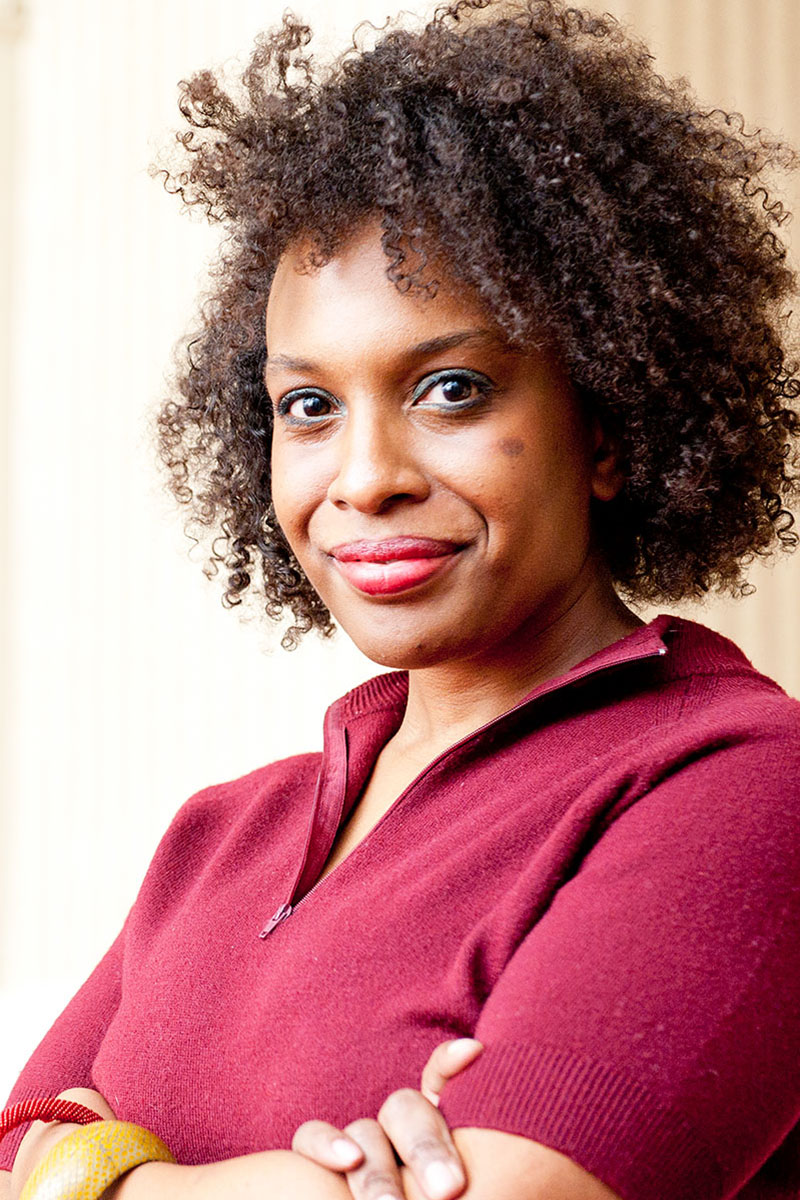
(376, 503)
(374, 486)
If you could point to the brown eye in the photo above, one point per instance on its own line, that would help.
(306, 407)
(455, 389)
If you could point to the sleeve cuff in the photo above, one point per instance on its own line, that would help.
(610, 1125)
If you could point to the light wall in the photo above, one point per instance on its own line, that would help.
(127, 687)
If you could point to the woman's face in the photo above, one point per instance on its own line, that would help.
(434, 484)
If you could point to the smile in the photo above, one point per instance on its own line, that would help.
(393, 565)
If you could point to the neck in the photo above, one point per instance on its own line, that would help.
(450, 700)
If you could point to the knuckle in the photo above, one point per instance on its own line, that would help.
(377, 1182)
(432, 1082)
(315, 1126)
(439, 1053)
(362, 1127)
(440, 1057)
(427, 1148)
(399, 1104)
(302, 1134)
(309, 1133)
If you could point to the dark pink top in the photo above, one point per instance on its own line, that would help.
(603, 884)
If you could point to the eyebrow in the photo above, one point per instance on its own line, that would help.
(464, 337)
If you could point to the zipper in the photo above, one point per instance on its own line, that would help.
(283, 912)
(288, 908)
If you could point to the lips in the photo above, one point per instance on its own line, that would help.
(392, 550)
(393, 564)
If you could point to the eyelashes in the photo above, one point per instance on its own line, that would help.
(312, 407)
(285, 405)
(482, 385)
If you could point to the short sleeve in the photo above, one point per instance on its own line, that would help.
(648, 1026)
(65, 1056)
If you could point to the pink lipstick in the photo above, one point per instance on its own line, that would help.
(393, 564)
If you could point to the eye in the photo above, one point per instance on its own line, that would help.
(454, 389)
(305, 406)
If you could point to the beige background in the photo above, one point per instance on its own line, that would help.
(126, 686)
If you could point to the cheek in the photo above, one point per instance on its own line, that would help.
(511, 447)
(296, 490)
(280, 497)
(532, 492)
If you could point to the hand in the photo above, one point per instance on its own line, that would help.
(408, 1123)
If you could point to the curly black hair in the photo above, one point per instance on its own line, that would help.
(577, 193)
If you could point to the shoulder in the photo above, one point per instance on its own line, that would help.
(714, 769)
(233, 812)
(706, 742)
(226, 802)
(708, 695)
(698, 714)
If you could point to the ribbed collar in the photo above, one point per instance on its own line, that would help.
(390, 690)
(359, 723)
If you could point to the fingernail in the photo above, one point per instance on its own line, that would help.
(440, 1179)
(345, 1152)
(461, 1045)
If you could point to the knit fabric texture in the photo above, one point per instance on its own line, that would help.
(601, 884)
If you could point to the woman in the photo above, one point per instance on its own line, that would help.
(498, 339)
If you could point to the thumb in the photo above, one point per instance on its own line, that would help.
(447, 1060)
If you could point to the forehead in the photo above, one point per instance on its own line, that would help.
(352, 297)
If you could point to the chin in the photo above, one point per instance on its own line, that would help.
(405, 652)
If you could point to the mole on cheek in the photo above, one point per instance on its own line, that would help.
(511, 446)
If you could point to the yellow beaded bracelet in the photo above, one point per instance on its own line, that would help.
(82, 1165)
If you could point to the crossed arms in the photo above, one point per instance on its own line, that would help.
(478, 1164)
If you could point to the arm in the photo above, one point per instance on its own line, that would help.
(476, 1164)
(649, 1014)
(640, 1022)
(524, 1171)
(282, 1175)
(653, 1010)
(410, 1120)
(279, 1174)
(502, 1166)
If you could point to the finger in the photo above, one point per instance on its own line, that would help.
(327, 1145)
(378, 1177)
(446, 1061)
(420, 1135)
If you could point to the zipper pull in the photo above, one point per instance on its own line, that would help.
(283, 912)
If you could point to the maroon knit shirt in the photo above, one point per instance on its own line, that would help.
(603, 885)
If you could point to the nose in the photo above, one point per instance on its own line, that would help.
(377, 465)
